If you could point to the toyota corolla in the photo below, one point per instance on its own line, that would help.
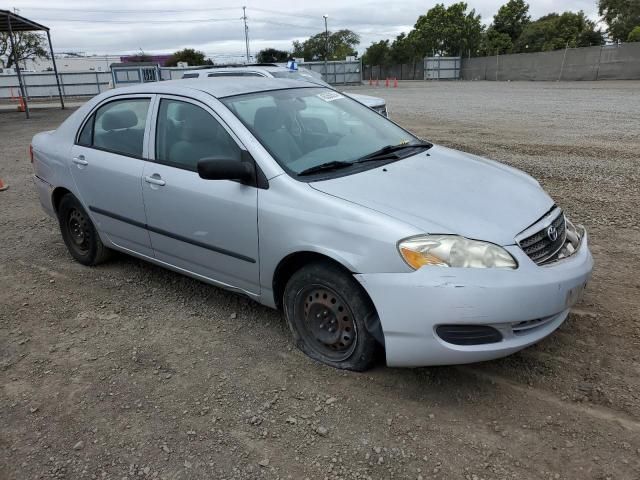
(367, 237)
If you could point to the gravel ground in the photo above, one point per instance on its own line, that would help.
(131, 371)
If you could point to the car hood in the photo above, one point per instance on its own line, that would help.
(368, 100)
(446, 191)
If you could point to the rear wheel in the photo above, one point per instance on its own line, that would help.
(329, 315)
(79, 234)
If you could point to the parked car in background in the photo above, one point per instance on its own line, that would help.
(305, 200)
(278, 71)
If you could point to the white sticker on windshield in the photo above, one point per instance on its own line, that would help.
(330, 96)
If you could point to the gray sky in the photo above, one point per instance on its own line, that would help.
(84, 25)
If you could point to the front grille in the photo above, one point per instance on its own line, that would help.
(539, 247)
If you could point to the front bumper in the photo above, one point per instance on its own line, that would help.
(412, 305)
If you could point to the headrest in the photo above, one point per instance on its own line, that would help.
(198, 125)
(182, 111)
(116, 120)
(268, 119)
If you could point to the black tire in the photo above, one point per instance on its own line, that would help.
(79, 234)
(331, 317)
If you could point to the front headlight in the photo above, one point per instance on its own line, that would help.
(453, 251)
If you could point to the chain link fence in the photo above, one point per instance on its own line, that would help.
(43, 85)
(608, 62)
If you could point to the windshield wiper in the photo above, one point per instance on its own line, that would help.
(390, 151)
(333, 165)
(384, 153)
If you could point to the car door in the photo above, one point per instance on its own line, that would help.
(208, 227)
(107, 162)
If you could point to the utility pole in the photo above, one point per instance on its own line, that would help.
(326, 49)
(246, 31)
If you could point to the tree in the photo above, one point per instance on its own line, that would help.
(189, 55)
(495, 42)
(377, 53)
(622, 16)
(341, 44)
(403, 50)
(269, 55)
(634, 35)
(29, 46)
(447, 31)
(555, 31)
(511, 19)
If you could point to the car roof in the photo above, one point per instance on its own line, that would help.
(218, 87)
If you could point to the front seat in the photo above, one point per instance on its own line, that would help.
(200, 136)
(269, 127)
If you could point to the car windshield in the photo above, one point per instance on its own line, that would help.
(299, 75)
(304, 128)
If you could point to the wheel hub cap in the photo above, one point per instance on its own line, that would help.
(77, 224)
(329, 321)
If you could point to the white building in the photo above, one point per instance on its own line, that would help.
(70, 63)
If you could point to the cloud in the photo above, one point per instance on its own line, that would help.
(272, 23)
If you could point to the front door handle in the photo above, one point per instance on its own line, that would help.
(79, 160)
(155, 180)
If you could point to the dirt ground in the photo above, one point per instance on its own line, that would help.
(131, 371)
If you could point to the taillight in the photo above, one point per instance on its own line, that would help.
(31, 152)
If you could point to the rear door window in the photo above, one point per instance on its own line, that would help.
(117, 127)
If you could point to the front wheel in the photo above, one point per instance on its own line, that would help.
(330, 315)
(79, 234)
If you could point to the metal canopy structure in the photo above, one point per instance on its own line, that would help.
(11, 22)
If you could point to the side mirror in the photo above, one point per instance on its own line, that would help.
(226, 169)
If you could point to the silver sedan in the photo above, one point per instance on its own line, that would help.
(367, 237)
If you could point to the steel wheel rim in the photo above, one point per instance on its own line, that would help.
(328, 322)
(79, 231)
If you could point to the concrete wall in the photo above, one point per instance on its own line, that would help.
(590, 63)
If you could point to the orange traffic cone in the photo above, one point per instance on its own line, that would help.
(377, 82)
(21, 107)
(3, 186)
(386, 82)
(395, 83)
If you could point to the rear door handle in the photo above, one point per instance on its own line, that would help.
(155, 180)
(79, 160)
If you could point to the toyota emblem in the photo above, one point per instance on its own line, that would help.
(552, 233)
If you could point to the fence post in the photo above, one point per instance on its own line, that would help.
(599, 60)
(497, 63)
(26, 87)
(564, 57)
(98, 82)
